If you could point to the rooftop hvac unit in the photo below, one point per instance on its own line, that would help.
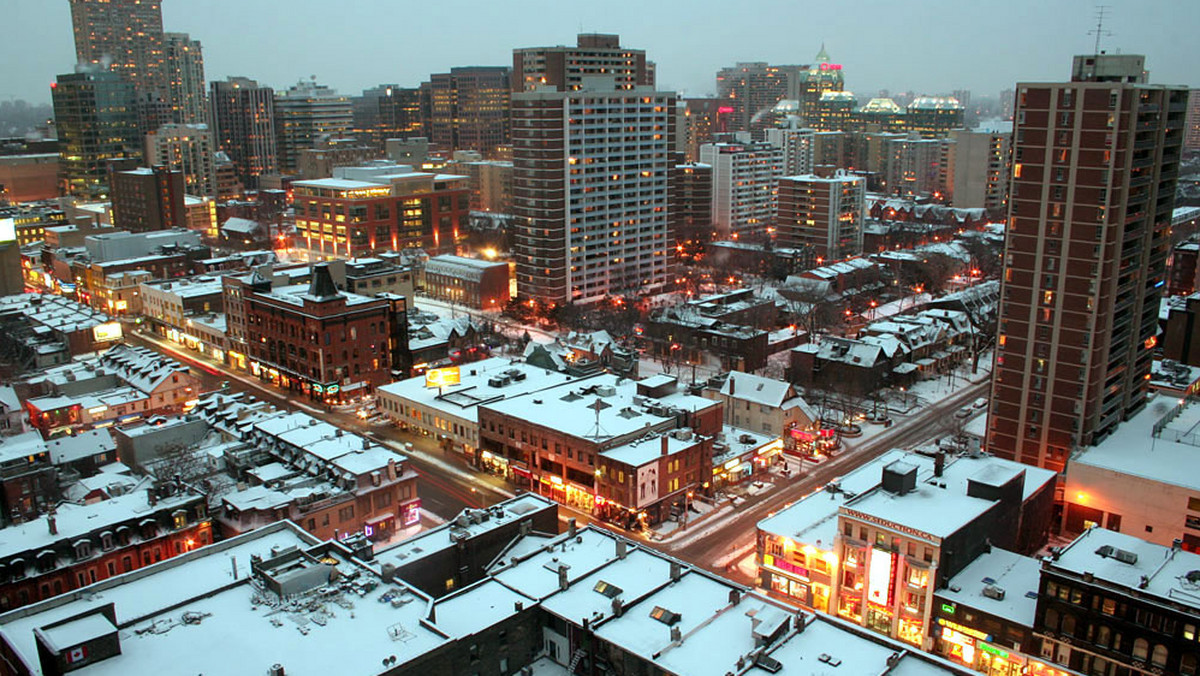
(993, 592)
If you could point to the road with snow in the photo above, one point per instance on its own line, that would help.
(718, 545)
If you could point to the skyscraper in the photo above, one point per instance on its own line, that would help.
(126, 34)
(304, 114)
(187, 148)
(1094, 171)
(94, 111)
(754, 88)
(565, 67)
(797, 146)
(243, 120)
(469, 108)
(185, 85)
(590, 174)
(822, 77)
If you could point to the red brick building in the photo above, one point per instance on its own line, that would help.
(81, 544)
(329, 345)
(148, 199)
(372, 209)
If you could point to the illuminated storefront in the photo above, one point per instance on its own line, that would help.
(977, 650)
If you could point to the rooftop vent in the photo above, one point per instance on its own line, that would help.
(767, 663)
(993, 592)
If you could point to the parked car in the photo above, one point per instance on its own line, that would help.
(965, 412)
(981, 402)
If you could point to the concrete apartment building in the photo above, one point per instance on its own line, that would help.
(186, 148)
(566, 68)
(823, 217)
(243, 123)
(1095, 162)
(745, 187)
(979, 170)
(590, 191)
(305, 113)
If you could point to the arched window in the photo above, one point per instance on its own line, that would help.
(1159, 658)
(1187, 665)
(1140, 649)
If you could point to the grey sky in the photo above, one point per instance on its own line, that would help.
(928, 46)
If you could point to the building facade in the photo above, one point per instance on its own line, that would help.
(147, 199)
(745, 187)
(94, 113)
(242, 114)
(1094, 169)
(364, 210)
(565, 68)
(186, 88)
(823, 217)
(304, 114)
(468, 108)
(128, 34)
(188, 149)
(472, 282)
(313, 339)
(590, 175)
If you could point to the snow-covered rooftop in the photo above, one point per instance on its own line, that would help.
(1153, 570)
(1017, 576)
(1157, 458)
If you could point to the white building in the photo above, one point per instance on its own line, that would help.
(187, 148)
(797, 146)
(978, 168)
(1141, 479)
(745, 186)
(590, 170)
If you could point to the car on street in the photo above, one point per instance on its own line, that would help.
(965, 412)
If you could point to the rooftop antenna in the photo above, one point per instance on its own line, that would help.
(1099, 31)
(598, 432)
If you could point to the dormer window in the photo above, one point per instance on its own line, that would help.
(180, 518)
(83, 549)
(106, 540)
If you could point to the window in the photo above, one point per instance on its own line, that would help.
(1141, 648)
(1159, 657)
(346, 513)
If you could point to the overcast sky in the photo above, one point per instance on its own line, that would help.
(927, 46)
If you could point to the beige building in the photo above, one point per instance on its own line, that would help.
(761, 405)
(978, 167)
(187, 148)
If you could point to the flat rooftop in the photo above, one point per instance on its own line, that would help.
(572, 408)
(1133, 448)
(1169, 575)
(1018, 576)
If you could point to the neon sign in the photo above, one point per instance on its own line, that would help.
(831, 66)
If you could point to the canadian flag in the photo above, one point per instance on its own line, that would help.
(77, 654)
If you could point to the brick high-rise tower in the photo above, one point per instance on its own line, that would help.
(1095, 162)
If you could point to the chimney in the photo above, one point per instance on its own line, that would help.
(939, 463)
(563, 581)
(518, 606)
(617, 607)
(676, 571)
(735, 596)
(666, 445)
(151, 497)
(571, 528)
(676, 635)
(233, 566)
(622, 548)
(732, 382)
(53, 524)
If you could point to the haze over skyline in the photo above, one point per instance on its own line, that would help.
(928, 47)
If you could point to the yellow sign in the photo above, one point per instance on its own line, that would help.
(442, 377)
(103, 333)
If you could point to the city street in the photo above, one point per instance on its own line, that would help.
(446, 486)
(719, 546)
